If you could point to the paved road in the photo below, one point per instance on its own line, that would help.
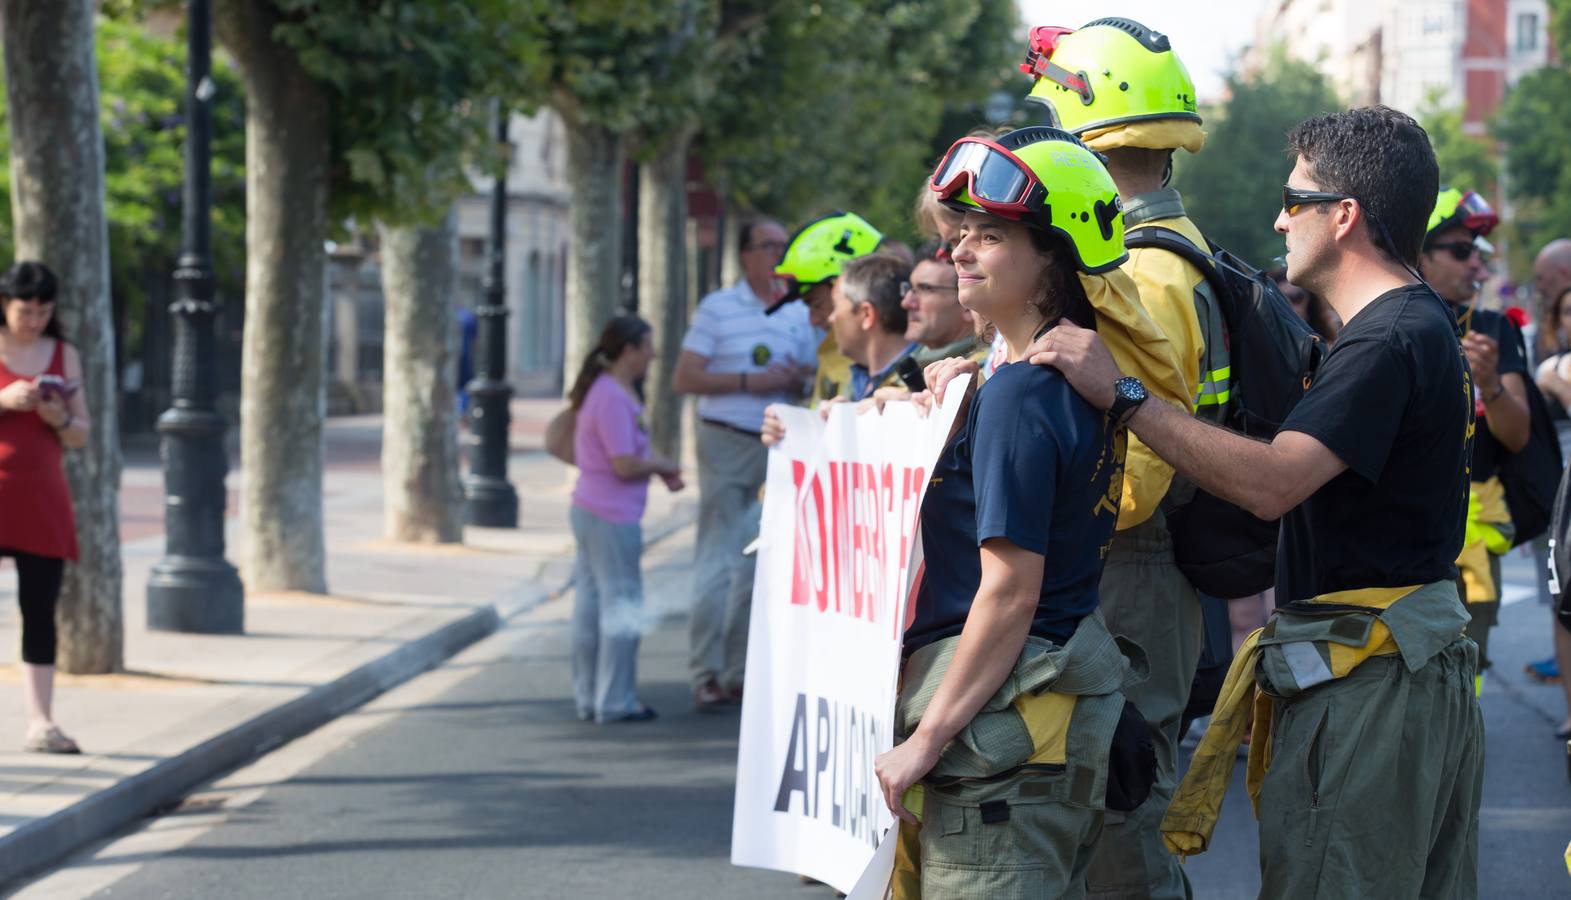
(476, 781)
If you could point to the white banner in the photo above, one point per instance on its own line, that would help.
(838, 552)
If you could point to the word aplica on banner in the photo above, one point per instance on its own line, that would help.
(838, 553)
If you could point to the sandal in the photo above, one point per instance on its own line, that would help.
(51, 740)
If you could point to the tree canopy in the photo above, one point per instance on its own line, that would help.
(842, 102)
(1233, 187)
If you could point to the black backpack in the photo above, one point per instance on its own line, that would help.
(1221, 548)
(1531, 476)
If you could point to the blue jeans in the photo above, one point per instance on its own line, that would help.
(608, 615)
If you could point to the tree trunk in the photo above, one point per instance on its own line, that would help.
(662, 276)
(730, 252)
(281, 406)
(594, 262)
(422, 496)
(57, 212)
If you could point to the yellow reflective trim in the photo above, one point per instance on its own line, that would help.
(1214, 399)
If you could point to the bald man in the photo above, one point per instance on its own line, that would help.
(1551, 276)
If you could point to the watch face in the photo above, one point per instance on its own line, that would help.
(1130, 389)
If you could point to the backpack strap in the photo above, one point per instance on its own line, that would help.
(1182, 247)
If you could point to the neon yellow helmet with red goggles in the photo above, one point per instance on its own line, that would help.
(819, 249)
(1110, 72)
(1465, 208)
(1045, 178)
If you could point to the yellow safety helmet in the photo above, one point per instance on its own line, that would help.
(1110, 72)
(1466, 208)
(1046, 178)
(819, 249)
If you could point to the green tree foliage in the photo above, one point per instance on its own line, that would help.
(840, 103)
(1466, 161)
(412, 85)
(1533, 126)
(141, 80)
(1233, 187)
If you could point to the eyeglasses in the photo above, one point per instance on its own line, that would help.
(1293, 198)
(923, 287)
(1461, 251)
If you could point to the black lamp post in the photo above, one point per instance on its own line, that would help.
(193, 588)
(492, 500)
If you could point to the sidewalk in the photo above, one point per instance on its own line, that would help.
(189, 706)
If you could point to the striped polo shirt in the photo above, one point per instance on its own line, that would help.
(730, 330)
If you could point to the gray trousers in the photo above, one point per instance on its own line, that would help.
(1147, 600)
(1375, 783)
(608, 615)
(731, 471)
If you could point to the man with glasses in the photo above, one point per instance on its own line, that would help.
(1450, 263)
(737, 359)
(934, 317)
(1361, 684)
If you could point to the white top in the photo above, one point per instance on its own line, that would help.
(731, 331)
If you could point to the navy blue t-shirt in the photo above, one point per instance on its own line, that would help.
(1038, 466)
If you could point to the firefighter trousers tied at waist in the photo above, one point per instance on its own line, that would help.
(1302, 646)
(1059, 706)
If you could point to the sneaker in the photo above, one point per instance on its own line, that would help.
(642, 714)
(733, 694)
(1544, 670)
(709, 696)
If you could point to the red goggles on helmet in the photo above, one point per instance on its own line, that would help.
(1476, 214)
(1039, 62)
(995, 178)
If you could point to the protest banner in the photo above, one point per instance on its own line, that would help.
(838, 553)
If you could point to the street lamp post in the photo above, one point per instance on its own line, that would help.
(491, 499)
(193, 588)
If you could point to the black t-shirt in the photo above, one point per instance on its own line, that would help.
(1487, 451)
(1038, 466)
(1394, 401)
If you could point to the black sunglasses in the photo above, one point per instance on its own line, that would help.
(1461, 251)
(1293, 198)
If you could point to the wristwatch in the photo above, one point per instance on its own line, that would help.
(1128, 394)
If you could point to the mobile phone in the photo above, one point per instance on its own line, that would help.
(55, 387)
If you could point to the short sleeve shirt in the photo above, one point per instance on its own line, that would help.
(1487, 451)
(610, 424)
(731, 330)
(1036, 465)
(1394, 401)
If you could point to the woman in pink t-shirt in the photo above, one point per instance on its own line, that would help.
(614, 466)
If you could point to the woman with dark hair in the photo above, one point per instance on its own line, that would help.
(1011, 688)
(42, 412)
(614, 466)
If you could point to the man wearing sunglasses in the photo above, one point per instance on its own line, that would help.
(1121, 88)
(1361, 684)
(1450, 263)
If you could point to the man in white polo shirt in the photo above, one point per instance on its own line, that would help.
(736, 360)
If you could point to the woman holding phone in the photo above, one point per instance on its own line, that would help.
(1011, 690)
(42, 413)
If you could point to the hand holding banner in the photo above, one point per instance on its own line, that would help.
(838, 554)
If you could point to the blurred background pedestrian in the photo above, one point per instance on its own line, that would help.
(615, 462)
(42, 413)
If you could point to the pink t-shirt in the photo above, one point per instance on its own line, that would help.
(610, 424)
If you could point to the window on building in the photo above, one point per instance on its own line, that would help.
(1527, 32)
(1434, 24)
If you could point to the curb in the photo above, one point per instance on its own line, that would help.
(42, 842)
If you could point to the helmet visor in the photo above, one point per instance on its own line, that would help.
(994, 176)
(1476, 214)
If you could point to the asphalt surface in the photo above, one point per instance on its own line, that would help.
(476, 780)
